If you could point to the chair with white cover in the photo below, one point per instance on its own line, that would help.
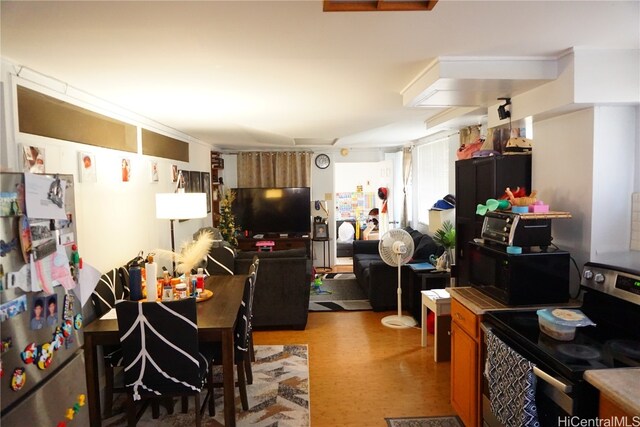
(161, 353)
(112, 286)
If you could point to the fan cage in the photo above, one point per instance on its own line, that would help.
(385, 247)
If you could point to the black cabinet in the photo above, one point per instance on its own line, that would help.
(476, 181)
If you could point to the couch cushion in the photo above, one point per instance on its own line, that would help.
(287, 253)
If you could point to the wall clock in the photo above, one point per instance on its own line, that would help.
(322, 161)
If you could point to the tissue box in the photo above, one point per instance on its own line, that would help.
(539, 207)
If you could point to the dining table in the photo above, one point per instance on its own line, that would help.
(216, 322)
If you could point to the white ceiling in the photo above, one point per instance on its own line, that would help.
(265, 74)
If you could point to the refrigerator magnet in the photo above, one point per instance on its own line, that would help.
(77, 321)
(58, 339)
(46, 356)
(7, 343)
(67, 328)
(18, 379)
(30, 353)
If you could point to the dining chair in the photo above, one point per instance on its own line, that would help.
(220, 259)
(253, 270)
(161, 353)
(241, 342)
(112, 286)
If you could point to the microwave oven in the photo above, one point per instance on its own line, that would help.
(536, 276)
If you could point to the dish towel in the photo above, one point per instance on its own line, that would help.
(512, 385)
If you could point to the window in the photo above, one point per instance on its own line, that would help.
(433, 174)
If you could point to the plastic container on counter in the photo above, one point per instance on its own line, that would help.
(561, 323)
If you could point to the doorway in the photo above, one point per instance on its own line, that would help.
(356, 197)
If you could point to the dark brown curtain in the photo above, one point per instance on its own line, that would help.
(274, 169)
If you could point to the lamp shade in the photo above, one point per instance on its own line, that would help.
(181, 205)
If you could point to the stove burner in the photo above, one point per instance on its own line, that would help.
(578, 351)
(627, 348)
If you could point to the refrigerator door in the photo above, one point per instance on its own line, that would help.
(25, 337)
(49, 405)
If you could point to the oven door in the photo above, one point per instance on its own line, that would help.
(557, 398)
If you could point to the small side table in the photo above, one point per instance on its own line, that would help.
(438, 301)
(326, 253)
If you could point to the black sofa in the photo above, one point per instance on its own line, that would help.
(380, 281)
(283, 286)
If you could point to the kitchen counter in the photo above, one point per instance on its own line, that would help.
(479, 303)
(618, 385)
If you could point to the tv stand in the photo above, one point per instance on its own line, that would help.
(281, 243)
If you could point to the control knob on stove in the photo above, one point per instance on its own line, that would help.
(599, 278)
(588, 274)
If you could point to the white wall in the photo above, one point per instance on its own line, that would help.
(585, 163)
(115, 220)
(614, 165)
(562, 173)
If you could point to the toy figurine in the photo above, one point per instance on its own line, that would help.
(75, 262)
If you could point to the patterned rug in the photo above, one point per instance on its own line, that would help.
(425, 422)
(338, 292)
(278, 397)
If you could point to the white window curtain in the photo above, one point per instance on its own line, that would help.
(432, 176)
(407, 166)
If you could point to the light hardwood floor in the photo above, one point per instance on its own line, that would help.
(361, 372)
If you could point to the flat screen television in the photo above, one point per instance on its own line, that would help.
(273, 210)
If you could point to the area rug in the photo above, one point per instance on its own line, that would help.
(278, 397)
(425, 422)
(338, 292)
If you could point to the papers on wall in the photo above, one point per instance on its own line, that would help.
(44, 199)
(51, 271)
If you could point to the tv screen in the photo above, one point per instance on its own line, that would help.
(273, 210)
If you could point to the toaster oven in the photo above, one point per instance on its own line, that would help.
(510, 229)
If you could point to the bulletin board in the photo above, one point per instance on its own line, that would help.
(354, 205)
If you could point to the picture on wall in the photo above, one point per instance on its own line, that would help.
(196, 182)
(174, 173)
(126, 169)
(153, 169)
(187, 181)
(87, 167)
(33, 159)
(206, 187)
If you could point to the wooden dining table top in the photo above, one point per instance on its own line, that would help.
(216, 313)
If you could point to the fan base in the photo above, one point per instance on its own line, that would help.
(399, 322)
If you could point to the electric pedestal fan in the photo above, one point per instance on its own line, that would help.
(396, 248)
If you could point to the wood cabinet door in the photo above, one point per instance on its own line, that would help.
(464, 374)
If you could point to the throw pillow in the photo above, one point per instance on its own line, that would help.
(425, 248)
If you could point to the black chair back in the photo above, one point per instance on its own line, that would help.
(160, 347)
(220, 259)
(243, 323)
(111, 287)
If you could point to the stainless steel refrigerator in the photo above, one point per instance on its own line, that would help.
(42, 360)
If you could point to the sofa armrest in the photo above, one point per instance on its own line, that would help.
(365, 247)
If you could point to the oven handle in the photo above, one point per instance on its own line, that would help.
(554, 382)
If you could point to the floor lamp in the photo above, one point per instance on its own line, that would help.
(180, 205)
